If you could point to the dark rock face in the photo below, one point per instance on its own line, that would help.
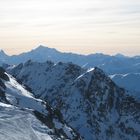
(3, 75)
(3, 97)
(89, 101)
(2, 70)
(59, 132)
(2, 85)
(2, 92)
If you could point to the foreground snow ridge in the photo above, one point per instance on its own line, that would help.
(24, 117)
(16, 124)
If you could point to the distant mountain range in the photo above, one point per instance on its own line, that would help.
(124, 70)
(42, 54)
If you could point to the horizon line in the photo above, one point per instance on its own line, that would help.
(70, 52)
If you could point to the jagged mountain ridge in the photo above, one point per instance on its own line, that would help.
(112, 65)
(89, 101)
(24, 117)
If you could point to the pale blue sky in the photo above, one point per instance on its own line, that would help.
(83, 26)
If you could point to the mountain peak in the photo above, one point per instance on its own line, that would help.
(120, 55)
(41, 47)
(44, 48)
(98, 70)
(2, 53)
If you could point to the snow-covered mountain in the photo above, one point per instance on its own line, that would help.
(117, 64)
(89, 100)
(3, 57)
(112, 65)
(23, 117)
(131, 81)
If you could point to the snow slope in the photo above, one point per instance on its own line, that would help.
(131, 81)
(24, 117)
(16, 124)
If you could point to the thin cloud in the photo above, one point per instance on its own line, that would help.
(87, 20)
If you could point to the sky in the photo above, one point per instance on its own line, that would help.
(80, 26)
